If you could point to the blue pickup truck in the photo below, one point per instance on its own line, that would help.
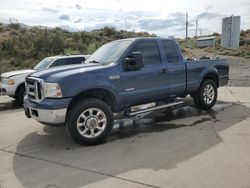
(119, 75)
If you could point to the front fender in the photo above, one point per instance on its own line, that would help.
(72, 88)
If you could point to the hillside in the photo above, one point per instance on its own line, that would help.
(190, 50)
(22, 47)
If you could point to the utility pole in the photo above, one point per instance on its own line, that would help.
(13, 20)
(201, 31)
(186, 25)
(196, 29)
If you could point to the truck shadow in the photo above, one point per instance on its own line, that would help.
(159, 141)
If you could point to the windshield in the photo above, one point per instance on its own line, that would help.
(43, 64)
(110, 52)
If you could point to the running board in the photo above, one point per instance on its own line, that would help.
(154, 108)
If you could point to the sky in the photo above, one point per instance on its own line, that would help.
(164, 18)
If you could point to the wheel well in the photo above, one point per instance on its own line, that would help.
(18, 88)
(212, 76)
(101, 94)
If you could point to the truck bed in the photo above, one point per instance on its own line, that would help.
(198, 68)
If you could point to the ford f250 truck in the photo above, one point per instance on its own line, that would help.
(119, 75)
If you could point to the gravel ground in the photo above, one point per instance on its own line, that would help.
(239, 71)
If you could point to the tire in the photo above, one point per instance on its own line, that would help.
(20, 95)
(90, 121)
(206, 96)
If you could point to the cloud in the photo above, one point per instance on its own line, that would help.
(49, 10)
(64, 17)
(78, 6)
(151, 17)
(173, 20)
(177, 15)
(78, 21)
(157, 24)
(209, 7)
(208, 15)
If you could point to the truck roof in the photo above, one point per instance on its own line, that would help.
(143, 38)
(68, 56)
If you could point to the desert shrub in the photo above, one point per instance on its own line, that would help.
(28, 63)
(22, 47)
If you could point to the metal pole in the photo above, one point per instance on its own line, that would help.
(186, 25)
(196, 29)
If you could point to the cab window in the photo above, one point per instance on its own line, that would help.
(59, 62)
(171, 51)
(149, 50)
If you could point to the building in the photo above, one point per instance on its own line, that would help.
(206, 41)
(230, 37)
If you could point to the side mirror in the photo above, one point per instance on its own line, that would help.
(134, 62)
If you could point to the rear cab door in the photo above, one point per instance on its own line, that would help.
(176, 68)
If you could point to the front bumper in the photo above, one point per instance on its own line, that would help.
(45, 115)
(7, 90)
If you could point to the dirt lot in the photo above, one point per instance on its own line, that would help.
(186, 147)
(239, 72)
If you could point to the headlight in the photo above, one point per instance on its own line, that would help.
(52, 90)
(11, 82)
(6, 81)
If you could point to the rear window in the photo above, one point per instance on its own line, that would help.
(76, 60)
(59, 62)
(68, 61)
(171, 51)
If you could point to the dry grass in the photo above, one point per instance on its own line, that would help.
(189, 47)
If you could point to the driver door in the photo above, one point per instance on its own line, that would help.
(148, 83)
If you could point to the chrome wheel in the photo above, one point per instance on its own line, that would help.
(208, 94)
(91, 123)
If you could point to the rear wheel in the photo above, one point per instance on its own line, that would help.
(90, 121)
(206, 96)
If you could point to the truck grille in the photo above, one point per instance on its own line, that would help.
(34, 88)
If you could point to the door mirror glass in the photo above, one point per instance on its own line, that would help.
(134, 61)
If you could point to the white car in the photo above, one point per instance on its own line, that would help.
(12, 83)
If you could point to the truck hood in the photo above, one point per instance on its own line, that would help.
(15, 73)
(54, 74)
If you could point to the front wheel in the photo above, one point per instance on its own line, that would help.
(206, 96)
(20, 95)
(90, 121)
